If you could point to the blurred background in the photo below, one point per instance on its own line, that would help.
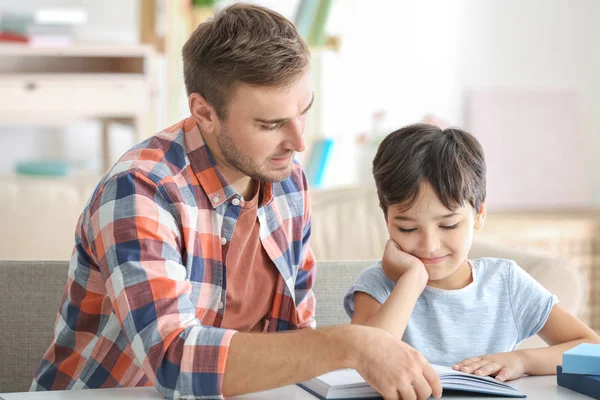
(82, 81)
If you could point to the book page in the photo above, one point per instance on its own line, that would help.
(342, 377)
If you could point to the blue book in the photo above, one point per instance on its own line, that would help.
(584, 384)
(318, 158)
(582, 359)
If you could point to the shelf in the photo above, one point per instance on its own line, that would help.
(58, 85)
(72, 95)
(77, 50)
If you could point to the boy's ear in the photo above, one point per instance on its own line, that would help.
(480, 217)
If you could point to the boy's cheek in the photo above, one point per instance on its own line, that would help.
(404, 244)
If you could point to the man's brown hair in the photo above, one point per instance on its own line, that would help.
(451, 160)
(243, 44)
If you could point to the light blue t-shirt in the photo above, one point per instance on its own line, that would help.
(503, 306)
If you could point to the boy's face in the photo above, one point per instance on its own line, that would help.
(439, 237)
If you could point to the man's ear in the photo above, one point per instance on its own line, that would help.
(480, 217)
(203, 113)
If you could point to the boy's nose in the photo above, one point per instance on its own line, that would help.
(429, 244)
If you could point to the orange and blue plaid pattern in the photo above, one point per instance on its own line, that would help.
(146, 286)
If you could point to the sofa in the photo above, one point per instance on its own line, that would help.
(30, 292)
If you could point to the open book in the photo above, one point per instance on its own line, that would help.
(348, 384)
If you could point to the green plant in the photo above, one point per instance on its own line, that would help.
(204, 3)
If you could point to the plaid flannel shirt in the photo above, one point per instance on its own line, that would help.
(146, 286)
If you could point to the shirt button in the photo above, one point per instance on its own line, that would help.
(223, 241)
(220, 305)
(216, 199)
(236, 202)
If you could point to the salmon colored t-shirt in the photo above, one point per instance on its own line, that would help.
(251, 275)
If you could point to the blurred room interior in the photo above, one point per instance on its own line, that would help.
(83, 81)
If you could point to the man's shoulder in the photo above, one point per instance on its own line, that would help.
(158, 157)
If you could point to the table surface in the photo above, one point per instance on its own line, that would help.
(535, 387)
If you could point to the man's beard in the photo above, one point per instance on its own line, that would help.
(240, 161)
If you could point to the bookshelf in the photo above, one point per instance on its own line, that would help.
(57, 85)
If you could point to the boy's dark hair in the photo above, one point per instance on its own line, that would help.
(243, 43)
(451, 160)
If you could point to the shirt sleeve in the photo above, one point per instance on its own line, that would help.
(307, 270)
(371, 281)
(531, 303)
(135, 237)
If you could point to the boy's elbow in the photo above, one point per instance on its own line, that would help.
(592, 338)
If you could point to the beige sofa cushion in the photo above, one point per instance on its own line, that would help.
(39, 216)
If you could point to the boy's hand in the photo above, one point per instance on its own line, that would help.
(503, 366)
(396, 263)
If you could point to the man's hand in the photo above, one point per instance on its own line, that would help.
(394, 369)
(503, 366)
(396, 263)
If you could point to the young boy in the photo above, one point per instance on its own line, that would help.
(468, 314)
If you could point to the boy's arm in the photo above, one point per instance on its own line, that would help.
(562, 332)
(393, 315)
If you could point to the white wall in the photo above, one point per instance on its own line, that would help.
(538, 44)
(413, 57)
(407, 58)
(399, 57)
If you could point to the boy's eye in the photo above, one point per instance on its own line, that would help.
(450, 227)
(403, 230)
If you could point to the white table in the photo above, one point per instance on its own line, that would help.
(536, 388)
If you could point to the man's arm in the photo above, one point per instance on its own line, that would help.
(268, 360)
(264, 361)
(135, 238)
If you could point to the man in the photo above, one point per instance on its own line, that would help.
(194, 248)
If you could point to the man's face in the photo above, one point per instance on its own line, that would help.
(264, 129)
(439, 237)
